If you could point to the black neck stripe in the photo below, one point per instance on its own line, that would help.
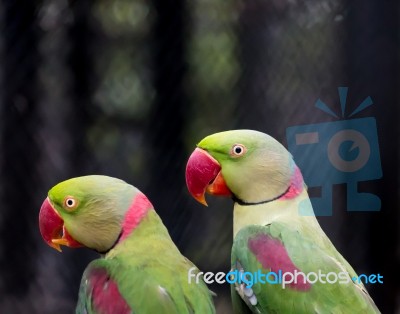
(112, 246)
(243, 203)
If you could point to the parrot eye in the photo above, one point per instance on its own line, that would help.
(238, 150)
(70, 202)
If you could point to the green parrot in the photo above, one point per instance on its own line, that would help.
(272, 241)
(141, 269)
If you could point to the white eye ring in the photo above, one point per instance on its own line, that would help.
(70, 202)
(238, 150)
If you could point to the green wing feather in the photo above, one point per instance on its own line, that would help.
(307, 257)
(147, 293)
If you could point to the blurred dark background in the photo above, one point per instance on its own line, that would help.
(128, 87)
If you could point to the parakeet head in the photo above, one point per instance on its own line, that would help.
(248, 165)
(85, 211)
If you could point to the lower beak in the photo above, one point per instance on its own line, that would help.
(203, 173)
(52, 228)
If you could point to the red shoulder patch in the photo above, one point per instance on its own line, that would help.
(272, 255)
(106, 298)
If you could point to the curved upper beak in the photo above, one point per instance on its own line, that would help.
(203, 174)
(52, 228)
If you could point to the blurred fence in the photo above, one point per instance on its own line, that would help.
(127, 88)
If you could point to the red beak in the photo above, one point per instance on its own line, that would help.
(203, 173)
(52, 228)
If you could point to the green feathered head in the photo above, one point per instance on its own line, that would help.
(249, 165)
(85, 211)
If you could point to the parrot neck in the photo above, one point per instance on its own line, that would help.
(135, 214)
(149, 234)
(296, 186)
(138, 209)
(244, 203)
(282, 207)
